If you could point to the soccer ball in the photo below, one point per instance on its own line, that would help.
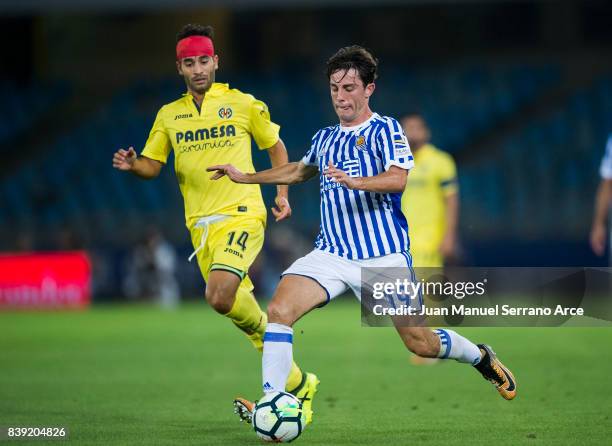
(278, 417)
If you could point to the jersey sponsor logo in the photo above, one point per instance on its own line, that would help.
(401, 151)
(351, 167)
(183, 116)
(221, 131)
(225, 112)
(199, 146)
(400, 146)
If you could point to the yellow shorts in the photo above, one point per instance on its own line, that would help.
(231, 245)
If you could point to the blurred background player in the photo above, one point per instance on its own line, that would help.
(430, 202)
(152, 271)
(431, 198)
(213, 124)
(603, 199)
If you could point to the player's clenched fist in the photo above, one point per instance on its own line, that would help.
(124, 159)
(229, 171)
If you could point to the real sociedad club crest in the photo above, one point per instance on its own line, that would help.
(360, 142)
(225, 112)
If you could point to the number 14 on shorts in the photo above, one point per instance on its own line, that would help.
(240, 241)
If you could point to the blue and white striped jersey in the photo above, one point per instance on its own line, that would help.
(606, 163)
(358, 224)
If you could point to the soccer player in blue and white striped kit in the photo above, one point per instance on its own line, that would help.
(363, 163)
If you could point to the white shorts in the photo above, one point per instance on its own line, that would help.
(337, 274)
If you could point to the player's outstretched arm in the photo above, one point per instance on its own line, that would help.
(390, 181)
(128, 161)
(291, 173)
(279, 157)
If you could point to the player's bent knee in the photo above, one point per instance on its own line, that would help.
(221, 298)
(280, 313)
(221, 290)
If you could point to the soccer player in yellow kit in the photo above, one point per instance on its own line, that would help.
(431, 199)
(213, 124)
(430, 203)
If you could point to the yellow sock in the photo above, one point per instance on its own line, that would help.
(247, 315)
(294, 380)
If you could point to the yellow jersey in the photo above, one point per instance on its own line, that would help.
(433, 178)
(218, 132)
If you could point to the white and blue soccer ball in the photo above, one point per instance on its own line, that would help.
(278, 417)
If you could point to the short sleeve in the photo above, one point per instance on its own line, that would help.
(448, 175)
(392, 146)
(605, 169)
(310, 158)
(264, 131)
(158, 144)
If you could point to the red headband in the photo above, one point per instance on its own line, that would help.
(193, 46)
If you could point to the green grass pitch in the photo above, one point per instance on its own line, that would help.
(139, 375)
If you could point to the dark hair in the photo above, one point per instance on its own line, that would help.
(192, 29)
(355, 57)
